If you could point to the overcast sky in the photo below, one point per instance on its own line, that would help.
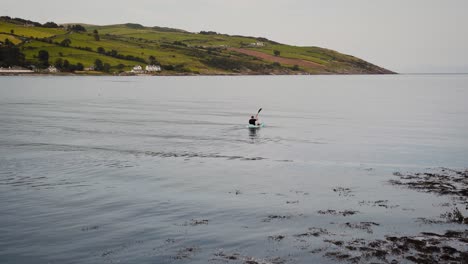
(406, 36)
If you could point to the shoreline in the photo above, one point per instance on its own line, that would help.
(185, 74)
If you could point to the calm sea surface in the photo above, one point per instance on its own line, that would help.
(164, 170)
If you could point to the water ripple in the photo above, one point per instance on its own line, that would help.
(161, 154)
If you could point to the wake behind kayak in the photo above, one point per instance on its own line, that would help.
(256, 126)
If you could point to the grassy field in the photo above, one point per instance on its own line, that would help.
(28, 31)
(11, 38)
(176, 50)
(129, 47)
(74, 56)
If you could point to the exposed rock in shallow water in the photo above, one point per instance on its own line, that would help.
(238, 258)
(378, 203)
(334, 212)
(346, 192)
(425, 248)
(276, 238)
(186, 253)
(443, 182)
(428, 221)
(276, 217)
(367, 226)
(455, 216)
(313, 231)
(338, 255)
(195, 222)
(227, 256)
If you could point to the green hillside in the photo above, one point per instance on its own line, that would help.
(178, 52)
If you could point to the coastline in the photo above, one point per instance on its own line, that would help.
(186, 74)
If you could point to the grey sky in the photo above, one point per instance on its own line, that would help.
(401, 35)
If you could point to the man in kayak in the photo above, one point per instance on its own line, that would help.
(253, 120)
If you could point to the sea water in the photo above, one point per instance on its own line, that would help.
(164, 170)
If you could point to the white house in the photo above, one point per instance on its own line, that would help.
(153, 68)
(257, 44)
(52, 69)
(14, 69)
(137, 69)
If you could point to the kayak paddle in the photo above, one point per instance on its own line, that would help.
(258, 113)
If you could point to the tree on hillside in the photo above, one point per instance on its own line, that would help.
(96, 35)
(208, 33)
(12, 31)
(152, 60)
(43, 57)
(58, 63)
(101, 50)
(11, 56)
(106, 67)
(276, 52)
(8, 43)
(98, 66)
(50, 25)
(20, 21)
(66, 65)
(179, 43)
(113, 53)
(79, 66)
(76, 28)
(65, 43)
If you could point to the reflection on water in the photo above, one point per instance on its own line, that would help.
(164, 170)
(253, 134)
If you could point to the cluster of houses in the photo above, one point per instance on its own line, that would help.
(15, 69)
(256, 44)
(148, 69)
(250, 45)
(52, 69)
(137, 69)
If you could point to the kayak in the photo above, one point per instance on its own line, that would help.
(256, 126)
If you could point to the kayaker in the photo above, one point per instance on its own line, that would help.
(253, 120)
